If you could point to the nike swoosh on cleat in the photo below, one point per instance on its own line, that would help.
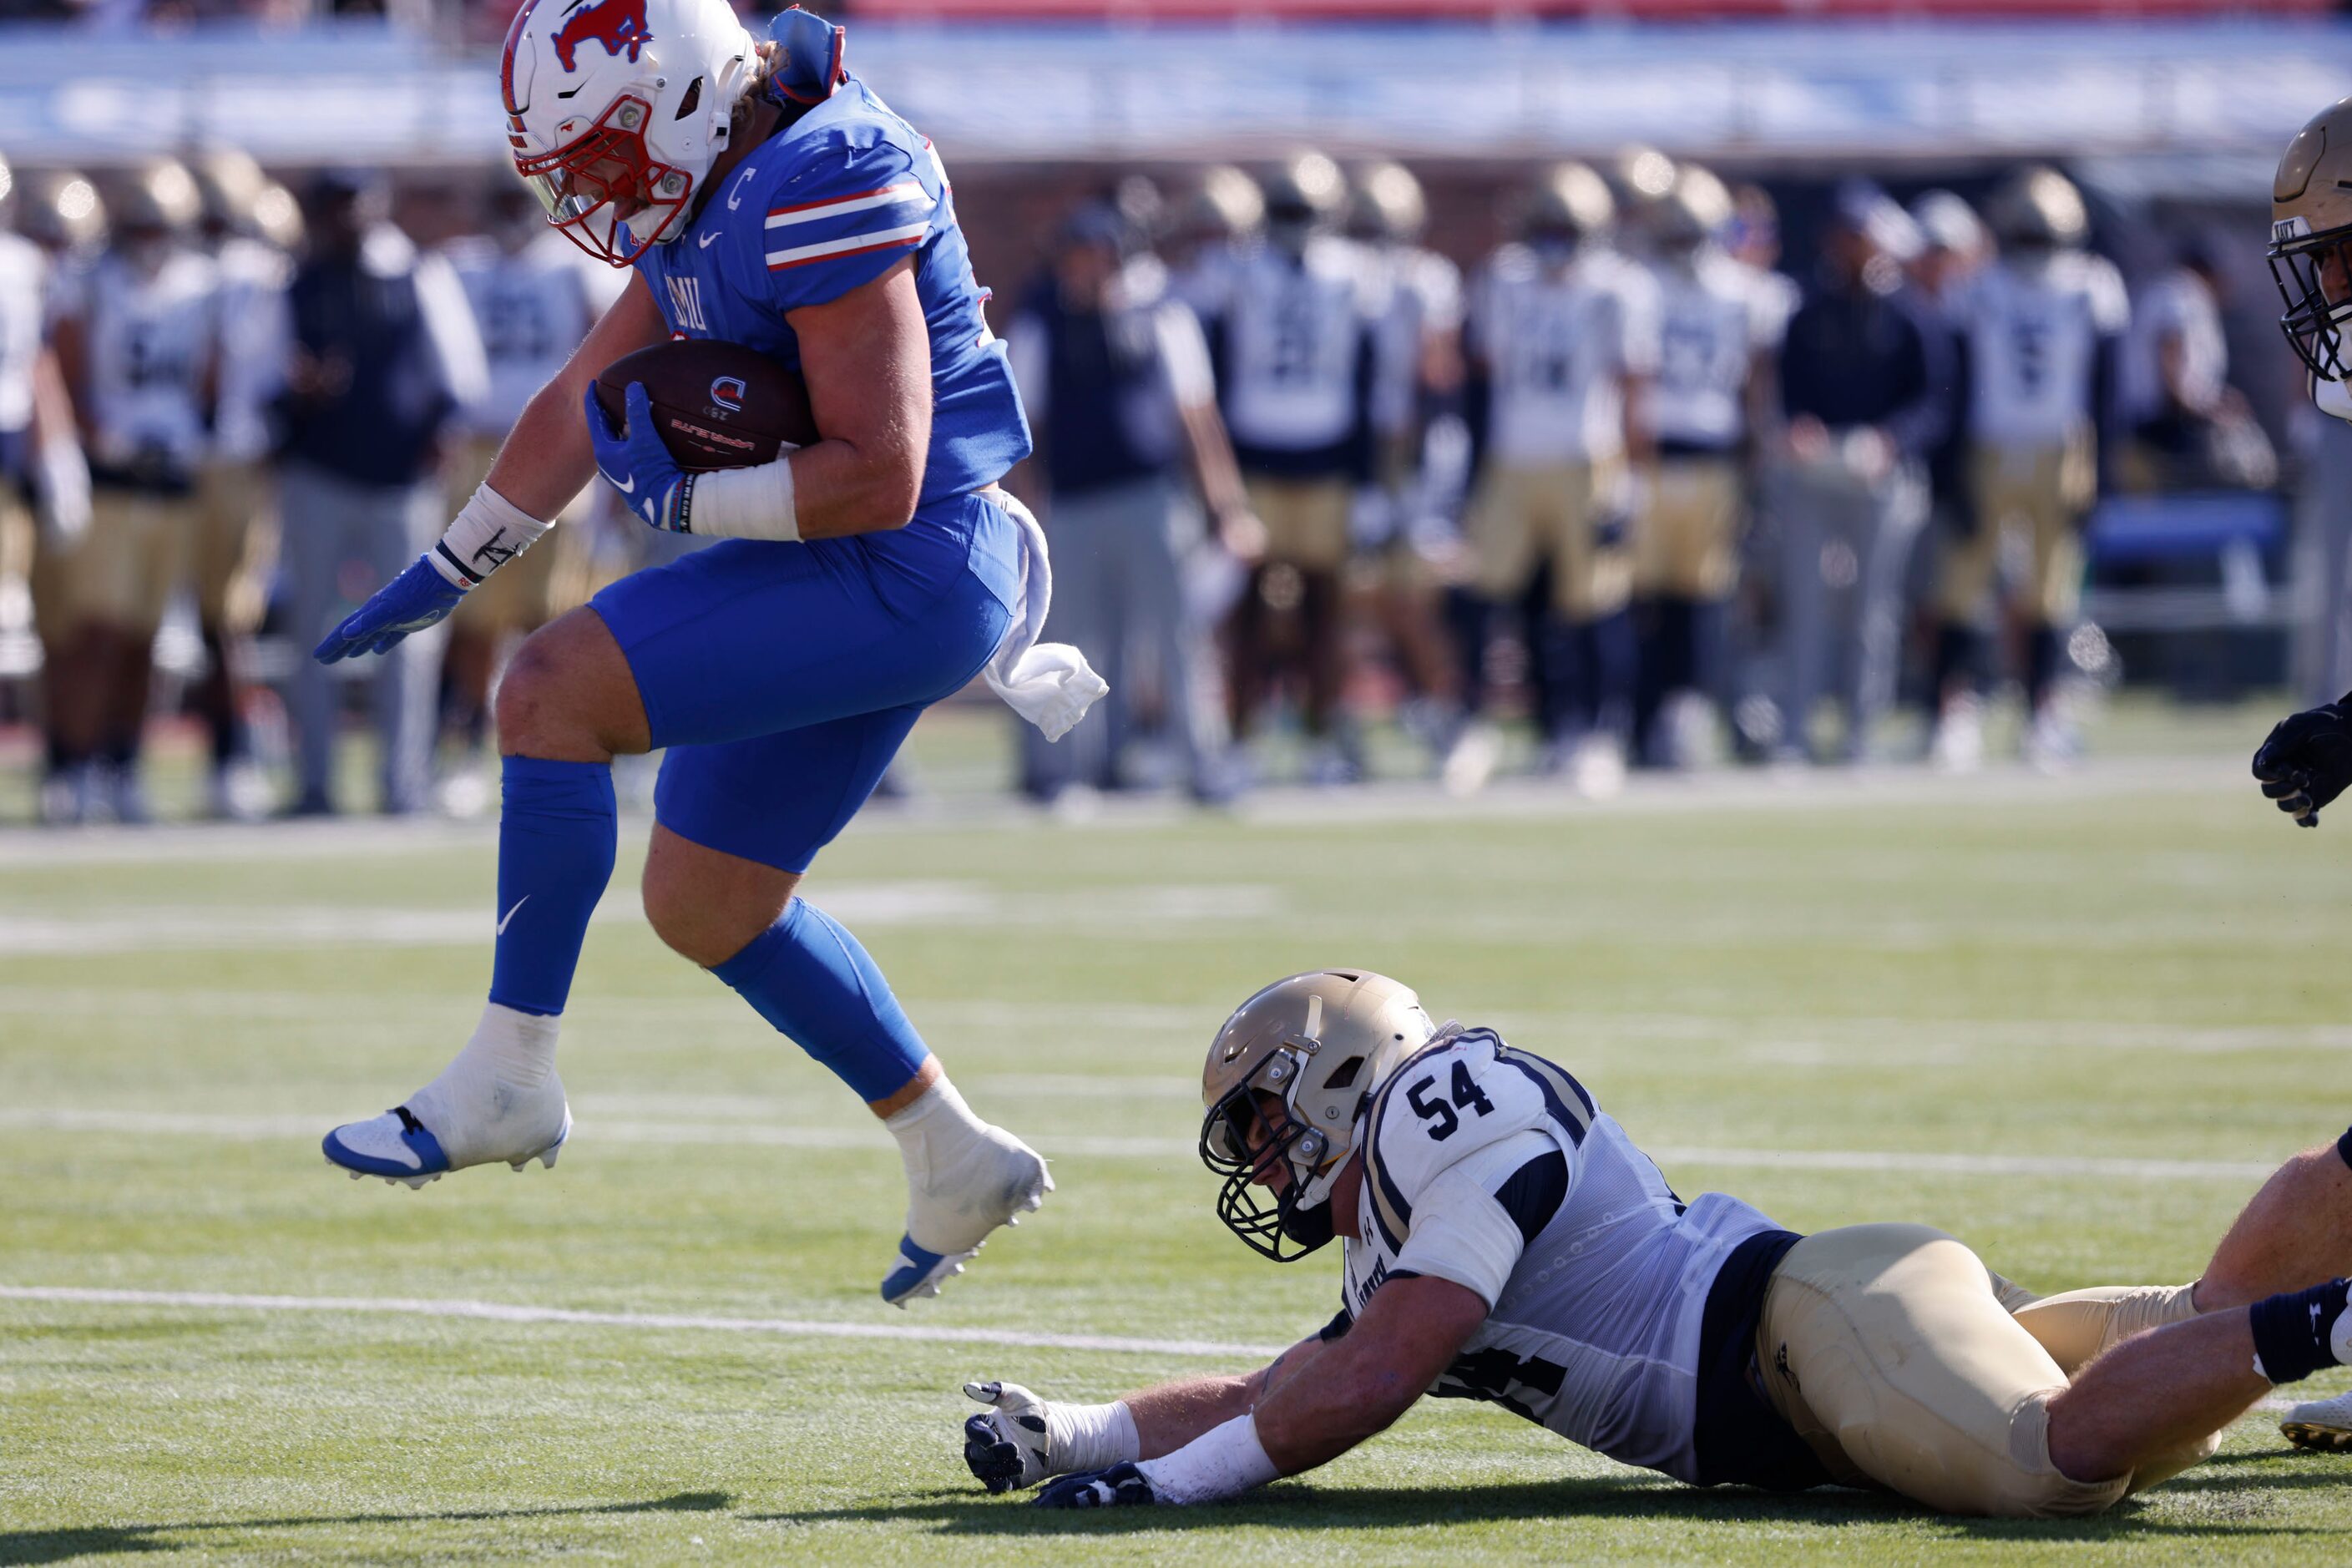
(518, 903)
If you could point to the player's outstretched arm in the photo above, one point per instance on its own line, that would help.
(1023, 1440)
(1362, 1382)
(544, 461)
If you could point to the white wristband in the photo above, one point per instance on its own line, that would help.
(1090, 1437)
(489, 531)
(1224, 1462)
(746, 503)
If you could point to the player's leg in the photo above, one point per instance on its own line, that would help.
(2064, 488)
(157, 530)
(1891, 511)
(1501, 542)
(1592, 589)
(235, 544)
(1885, 1348)
(404, 682)
(568, 706)
(745, 815)
(2076, 1327)
(1320, 551)
(1963, 586)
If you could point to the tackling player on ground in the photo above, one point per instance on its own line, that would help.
(769, 198)
(1505, 1240)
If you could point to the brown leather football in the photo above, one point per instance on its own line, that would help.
(716, 406)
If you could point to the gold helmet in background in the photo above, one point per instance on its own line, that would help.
(1285, 1078)
(2311, 226)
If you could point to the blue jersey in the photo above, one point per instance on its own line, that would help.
(832, 200)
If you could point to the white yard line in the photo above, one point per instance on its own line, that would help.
(506, 1312)
(590, 1130)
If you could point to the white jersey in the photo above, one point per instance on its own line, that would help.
(534, 306)
(1296, 331)
(1412, 296)
(2177, 308)
(1715, 316)
(1597, 1301)
(23, 325)
(152, 339)
(257, 335)
(1557, 347)
(2032, 335)
(1203, 283)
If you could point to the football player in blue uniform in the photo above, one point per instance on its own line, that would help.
(1504, 1239)
(765, 197)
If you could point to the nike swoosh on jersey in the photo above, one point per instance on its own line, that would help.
(705, 241)
(518, 903)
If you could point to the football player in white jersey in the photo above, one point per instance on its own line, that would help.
(2040, 328)
(41, 451)
(1293, 346)
(1414, 296)
(139, 351)
(1220, 222)
(535, 297)
(1561, 334)
(62, 214)
(1505, 1240)
(235, 545)
(1720, 325)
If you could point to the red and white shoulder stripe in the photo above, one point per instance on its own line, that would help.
(906, 202)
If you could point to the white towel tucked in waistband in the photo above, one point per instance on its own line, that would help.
(1048, 683)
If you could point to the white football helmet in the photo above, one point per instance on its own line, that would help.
(617, 109)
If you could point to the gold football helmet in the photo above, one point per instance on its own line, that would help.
(2037, 208)
(2311, 228)
(1285, 1078)
(1385, 205)
(1566, 202)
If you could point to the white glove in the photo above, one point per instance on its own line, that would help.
(62, 489)
(1022, 1439)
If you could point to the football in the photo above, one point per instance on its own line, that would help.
(718, 406)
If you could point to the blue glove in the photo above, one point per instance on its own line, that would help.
(638, 465)
(1122, 1486)
(411, 602)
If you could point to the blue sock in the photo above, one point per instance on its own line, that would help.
(556, 832)
(811, 979)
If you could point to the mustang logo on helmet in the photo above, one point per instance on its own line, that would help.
(617, 25)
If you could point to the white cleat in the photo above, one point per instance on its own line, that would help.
(485, 1107)
(992, 1181)
(2323, 1424)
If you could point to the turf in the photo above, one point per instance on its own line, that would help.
(2061, 973)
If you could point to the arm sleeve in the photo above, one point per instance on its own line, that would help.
(841, 219)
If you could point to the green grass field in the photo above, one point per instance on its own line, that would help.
(2071, 1022)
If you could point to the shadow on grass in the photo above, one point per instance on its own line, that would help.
(1304, 1507)
(25, 1546)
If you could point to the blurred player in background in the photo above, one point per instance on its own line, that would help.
(1115, 377)
(139, 346)
(44, 483)
(534, 299)
(1561, 335)
(1952, 246)
(62, 214)
(1720, 324)
(766, 197)
(1217, 223)
(385, 353)
(2040, 329)
(1859, 373)
(235, 547)
(1414, 297)
(1294, 349)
